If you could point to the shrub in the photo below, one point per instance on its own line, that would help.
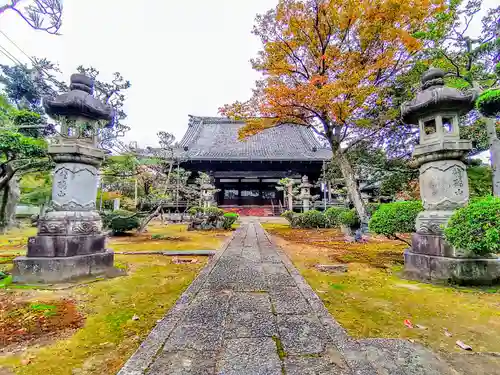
(312, 219)
(349, 218)
(213, 213)
(229, 219)
(288, 215)
(476, 227)
(193, 211)
(332, 216)
(488, 103)
(371, 208)
(121, 221)
(157, 236)
(393, 218)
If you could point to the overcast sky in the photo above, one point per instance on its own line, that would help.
(182, 57)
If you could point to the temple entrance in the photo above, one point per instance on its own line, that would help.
(248, 194)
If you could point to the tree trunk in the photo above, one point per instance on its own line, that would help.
(8, 204)
(290, 196)
(352, 185)
(494, 153)
(150, 217)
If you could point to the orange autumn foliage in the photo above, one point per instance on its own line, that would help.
(323, 60)
(326, 64)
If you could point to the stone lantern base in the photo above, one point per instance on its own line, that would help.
(69, 246)
(431, 259)
(50, 270)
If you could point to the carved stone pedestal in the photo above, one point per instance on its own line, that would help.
(443, 186)
(50, 270)
(69, 244)
(432, 259)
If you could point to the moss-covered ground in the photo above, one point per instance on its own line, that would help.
(372, 300)
(89, 329)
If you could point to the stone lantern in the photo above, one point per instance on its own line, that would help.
(443, 179)
(305, 193)
(69, 243)
(207, 194)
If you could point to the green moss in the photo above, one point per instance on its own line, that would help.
(110, 335)
(373, 301)
(279, 348)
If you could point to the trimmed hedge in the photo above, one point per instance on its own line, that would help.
(313, 219)
(476, 227)
(229, 219)
(121, 221)
(332, 216)
(349, 218)
(390, 219)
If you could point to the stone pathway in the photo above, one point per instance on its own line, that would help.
(249, 312)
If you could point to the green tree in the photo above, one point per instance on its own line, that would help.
(19, 154)
(471, 61)
(327, 64)
(44, 15)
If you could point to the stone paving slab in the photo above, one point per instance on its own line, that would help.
(302, 334)
(188, 362)
(249, 356)
(250, 312)
(251, 324)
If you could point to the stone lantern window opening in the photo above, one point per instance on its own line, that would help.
(439, 127)
(429, 128)
(80, 129)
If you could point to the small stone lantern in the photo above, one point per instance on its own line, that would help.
(305, 193)
(443, 179)
(207, 194)
(69, 243)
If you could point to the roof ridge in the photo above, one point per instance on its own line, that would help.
(215, 119)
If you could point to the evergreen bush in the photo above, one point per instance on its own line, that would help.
(213, 213)
(391, 219)
(121, 221)
(371, 208)
(193, 211)
(332, 216)
(476, 227)
(349, 218)
(288, 215)
(312, 219)
(488, 103)
(229, 219)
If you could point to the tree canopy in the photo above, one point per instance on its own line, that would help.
(327, 65)
(44, 15)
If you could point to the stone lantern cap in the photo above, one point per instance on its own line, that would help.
(79, 102)
(436, 97)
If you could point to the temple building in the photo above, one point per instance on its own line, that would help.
(246, 172)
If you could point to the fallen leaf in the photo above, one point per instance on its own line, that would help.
(420, 326)
(408, 323)
(462, 345)
(447, 333)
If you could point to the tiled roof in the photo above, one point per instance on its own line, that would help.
(216, 138)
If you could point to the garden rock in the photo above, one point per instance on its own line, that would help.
(332, 268)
